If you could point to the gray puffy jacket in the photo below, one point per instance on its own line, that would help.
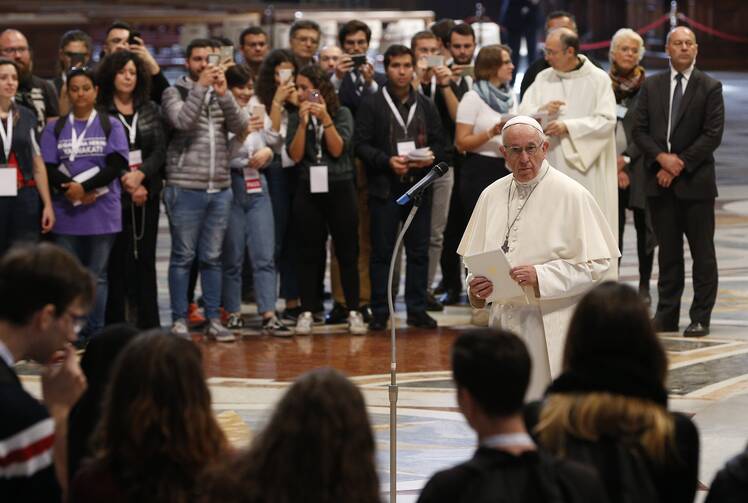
(197, 157)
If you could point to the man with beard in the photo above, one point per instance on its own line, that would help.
(33, 92)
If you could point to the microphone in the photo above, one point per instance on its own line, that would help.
(436, 172)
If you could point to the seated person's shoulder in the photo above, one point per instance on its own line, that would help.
(447, 485)
(579, 482)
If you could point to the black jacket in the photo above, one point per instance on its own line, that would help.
(730, 485)
(696, 135)
(348, 96)
(525, 479)
(150, 137)
(374, 146)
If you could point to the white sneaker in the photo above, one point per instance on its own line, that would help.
(179, 329)
(304, 323)
(356, 325)
(218, 331)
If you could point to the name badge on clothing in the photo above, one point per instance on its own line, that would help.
(252, 182)
(405, 147)
(8, 181)
(135, 159)
(318, 183)
(621, 111)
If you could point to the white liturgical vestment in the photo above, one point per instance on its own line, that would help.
(588, 152)
(562, 232)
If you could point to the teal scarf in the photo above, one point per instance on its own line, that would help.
(500, 99)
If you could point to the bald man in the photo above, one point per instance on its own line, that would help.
(33, 92)
(556, 19)
(679, 122)
(329, 57)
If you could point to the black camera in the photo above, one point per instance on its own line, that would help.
(132, 39)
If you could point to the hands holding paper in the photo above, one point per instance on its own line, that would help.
(481, 288)
(524, 275)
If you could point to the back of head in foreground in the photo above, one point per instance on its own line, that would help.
(318, 447)
(157, 431)
(493, 367)
(613, 379)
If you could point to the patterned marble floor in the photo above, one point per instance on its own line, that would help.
(708, 378)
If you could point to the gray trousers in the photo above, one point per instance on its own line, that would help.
(442, 192)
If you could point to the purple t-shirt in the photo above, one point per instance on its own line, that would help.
(105, 215)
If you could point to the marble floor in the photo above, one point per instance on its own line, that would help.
(708, 377)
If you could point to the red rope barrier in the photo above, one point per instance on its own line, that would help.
(712, 31)
(606, 43)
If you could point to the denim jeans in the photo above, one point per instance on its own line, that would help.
(251, 227)
(197, 221)
(93, 252)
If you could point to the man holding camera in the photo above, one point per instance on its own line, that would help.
(198, 182)
(355, 77)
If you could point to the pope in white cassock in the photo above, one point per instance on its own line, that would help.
(579, 98)
(555, 238)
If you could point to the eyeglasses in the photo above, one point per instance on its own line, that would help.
(307, 40)
(9, 51)
(517, 151)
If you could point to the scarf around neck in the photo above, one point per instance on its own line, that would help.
(499, 99)
(625, 86)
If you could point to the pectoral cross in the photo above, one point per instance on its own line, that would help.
(505, 246)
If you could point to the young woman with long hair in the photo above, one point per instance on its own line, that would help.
(157, 431)
(320, 137)
(611, 396)
(317, 448)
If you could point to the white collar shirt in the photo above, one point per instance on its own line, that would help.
(673, 82)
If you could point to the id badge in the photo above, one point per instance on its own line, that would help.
(252, 182)
(405, 147)
(8, 181)
(136, 159)
(621, 111)
(318, 179)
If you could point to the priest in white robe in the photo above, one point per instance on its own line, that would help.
(554, 236)
(581, 108)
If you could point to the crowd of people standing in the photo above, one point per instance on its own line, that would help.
(259, 163)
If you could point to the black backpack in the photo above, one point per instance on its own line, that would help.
(497, 482)
(104, 120)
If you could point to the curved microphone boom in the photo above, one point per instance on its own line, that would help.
(436, 172)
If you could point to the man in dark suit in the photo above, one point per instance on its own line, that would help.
(354, 79)
(679, 123)
(390, 125)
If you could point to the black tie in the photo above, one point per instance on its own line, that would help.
(462, 87)
(677, 97)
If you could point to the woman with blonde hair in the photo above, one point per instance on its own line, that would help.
(608, 408)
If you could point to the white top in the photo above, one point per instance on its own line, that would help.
(684, 83)
(475, 112)
(276, 140)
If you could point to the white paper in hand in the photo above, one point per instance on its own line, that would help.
(87, 175)
(494, 266)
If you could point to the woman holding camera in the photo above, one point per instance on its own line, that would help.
(275, 89)
(319, 141)
(251, 219)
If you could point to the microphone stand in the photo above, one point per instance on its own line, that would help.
(393, 389)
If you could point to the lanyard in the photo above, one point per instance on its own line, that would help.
(131, 130)
(508, 440)
(7, 134)
(396, 113)
(75, 140)
(319, 132)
